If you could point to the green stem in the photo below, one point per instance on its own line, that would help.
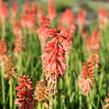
(89, 103)
(51, 104)
(19, 67)
(11, 93)
(3, 30)
(14, 93)
(3, 86)
(80, 100)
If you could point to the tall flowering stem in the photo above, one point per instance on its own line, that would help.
(3, 87)
(25, 93)
(11, 93)
(53, 59)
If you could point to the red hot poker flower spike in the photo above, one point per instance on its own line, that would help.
(103, 18)
(3, 11)
(53, 58)
(67, 18)
(51, 9)
(86, 81)
(25, 93)
(93, 42)
(81, 19)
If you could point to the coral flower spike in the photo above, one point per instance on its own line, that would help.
(51, 9)
(93, 42)
(3, 11)
(81, 19)
(67, 18)
(84, 83)
(103, 18)
(87, 78)
(53, 58)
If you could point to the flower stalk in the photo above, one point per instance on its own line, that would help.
(3, 86)
(11, 93)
